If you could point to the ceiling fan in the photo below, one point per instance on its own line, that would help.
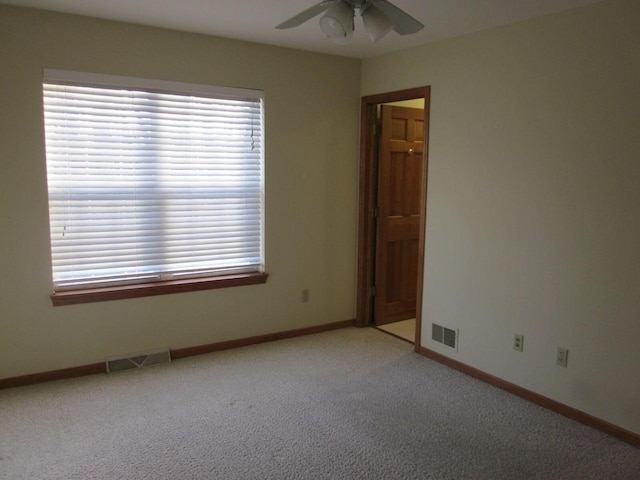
(378, 16)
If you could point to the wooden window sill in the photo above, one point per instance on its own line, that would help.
(104, 294)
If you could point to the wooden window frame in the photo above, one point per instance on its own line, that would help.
(103, 294)
(86, 293)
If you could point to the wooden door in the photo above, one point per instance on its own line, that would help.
(397, 238)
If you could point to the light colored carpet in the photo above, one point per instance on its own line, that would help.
(347, 404)
(404, 329)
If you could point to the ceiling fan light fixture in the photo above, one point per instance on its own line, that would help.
(376, 23)
(337, 23)
(379, 16)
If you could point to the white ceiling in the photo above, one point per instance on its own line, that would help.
(255, 20)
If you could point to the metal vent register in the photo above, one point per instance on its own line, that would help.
(444, 335)
(138, 361)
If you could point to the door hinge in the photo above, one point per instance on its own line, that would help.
(376, 212)
(373, 291)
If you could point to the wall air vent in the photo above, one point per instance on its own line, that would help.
(139, 360)
(444, 335)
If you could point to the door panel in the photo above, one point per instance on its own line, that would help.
(399, 188)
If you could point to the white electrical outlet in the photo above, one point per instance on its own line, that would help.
(518, 342)
(562, 356)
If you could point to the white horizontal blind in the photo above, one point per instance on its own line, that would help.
(151, 185)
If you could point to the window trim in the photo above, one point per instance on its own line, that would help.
(103, 294)
(148, 84)
(88, 294)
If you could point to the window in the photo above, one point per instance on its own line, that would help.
(154, 186)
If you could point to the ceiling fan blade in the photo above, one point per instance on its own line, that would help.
(307, 14)
(403, 23)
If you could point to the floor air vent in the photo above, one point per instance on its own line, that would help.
(444, 335)
(138, 361)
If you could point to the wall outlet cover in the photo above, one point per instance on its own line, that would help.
(518, 342)
(562, 357)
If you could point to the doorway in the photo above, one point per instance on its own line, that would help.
(392, 209)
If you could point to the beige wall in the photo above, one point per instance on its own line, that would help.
(311, 183)
(533, 200)
(415, 103)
